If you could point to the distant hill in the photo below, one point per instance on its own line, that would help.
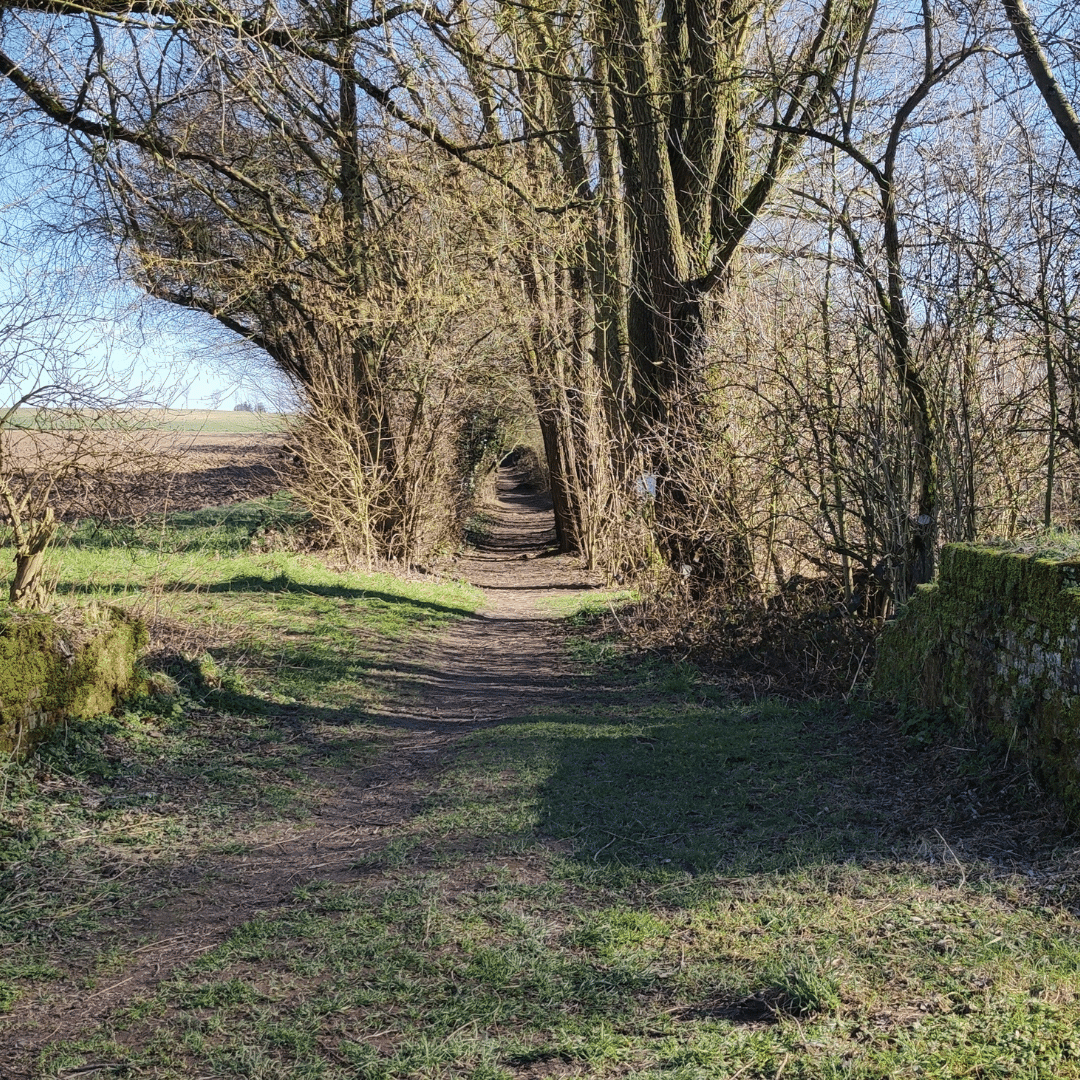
(181, 421)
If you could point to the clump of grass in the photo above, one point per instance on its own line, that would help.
(1057, 545)
(803, 986)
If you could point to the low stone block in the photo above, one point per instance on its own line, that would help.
(994, 646)
(50, 671)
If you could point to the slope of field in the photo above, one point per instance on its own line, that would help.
(219, 457)
(145, 462)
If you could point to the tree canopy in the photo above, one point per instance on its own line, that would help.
(765, 254)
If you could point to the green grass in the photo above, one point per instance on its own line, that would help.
(281, 627)
(267, 669)
(582, 609)
(642, 886)
(216, 422)
(1053, 544)
(184, 421)
(656, 882)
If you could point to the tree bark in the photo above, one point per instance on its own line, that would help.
(27, 587)
(1038, 63)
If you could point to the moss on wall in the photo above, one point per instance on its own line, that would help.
(995, 646)
(49, 671)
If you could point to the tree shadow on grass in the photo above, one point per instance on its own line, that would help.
(740, 789)
(283, 584)
(679, 789)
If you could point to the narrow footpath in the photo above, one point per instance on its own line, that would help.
(518, 867)
(498, 663)
(487, 668)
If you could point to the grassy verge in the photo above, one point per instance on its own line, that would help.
(216, 421)
(270, 618)
(267, 665)
(581, 610)
(654, 884)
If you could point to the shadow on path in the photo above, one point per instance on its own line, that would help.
(640, 767)
(495, 664)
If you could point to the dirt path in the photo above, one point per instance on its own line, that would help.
(486, 668)
(650, 862)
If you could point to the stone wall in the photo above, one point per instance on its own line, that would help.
(49, 672)
(995, 645)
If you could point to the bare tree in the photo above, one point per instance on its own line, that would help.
(67, 433)
(660, 139)
(1038, 63)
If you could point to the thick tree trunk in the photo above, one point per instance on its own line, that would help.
(1038, 64)
(699, 528)
(560, 359)
(567, 523)
(28, 587)
(921, 551)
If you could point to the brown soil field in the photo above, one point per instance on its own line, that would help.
(215, 469)
(134, 474)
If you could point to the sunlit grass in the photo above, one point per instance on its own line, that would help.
(643, 886)
(273, 621)
(583, 607)
(653, 881)
(264, 669)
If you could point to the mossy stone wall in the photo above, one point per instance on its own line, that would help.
(995, 645)
(47, 674)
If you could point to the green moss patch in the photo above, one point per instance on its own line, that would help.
(50, 672)
(995, 646)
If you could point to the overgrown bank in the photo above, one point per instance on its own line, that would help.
(51, 672)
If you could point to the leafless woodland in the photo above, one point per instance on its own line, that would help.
(782, 292)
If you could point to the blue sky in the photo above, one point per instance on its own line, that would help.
(66, 315)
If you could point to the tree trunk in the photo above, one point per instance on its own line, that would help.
(567, 524)
(27, 588)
